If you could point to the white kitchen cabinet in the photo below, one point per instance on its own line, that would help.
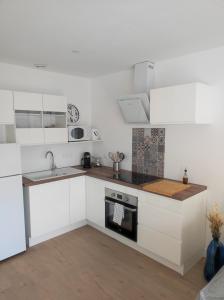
(95, 205)
(55, 120)
(77, 199)
(48, 207)
(30, 136)
(28, 101)
(171, 229)
(12, 227)
(6, 107)
(181, 104)
(54, 103)
(55, 135)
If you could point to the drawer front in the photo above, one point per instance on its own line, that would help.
(162, 202)
(29, 136)
(160, 244)
(161, 220)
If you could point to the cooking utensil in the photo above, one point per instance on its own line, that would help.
(121, 156)
(116, 157)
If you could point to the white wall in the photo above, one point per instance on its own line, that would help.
(199, 148)
(76, 89)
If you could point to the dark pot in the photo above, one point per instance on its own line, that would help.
(214, 259)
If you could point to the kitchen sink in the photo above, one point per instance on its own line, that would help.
(48, 174)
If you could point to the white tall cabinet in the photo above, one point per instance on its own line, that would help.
(12, 227)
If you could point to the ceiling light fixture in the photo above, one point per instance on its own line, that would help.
(40, 66)
(75, 51)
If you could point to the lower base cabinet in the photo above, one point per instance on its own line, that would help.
(53, 206)
(48, 207)
(95, 205)
(171, 231)
(77, 209)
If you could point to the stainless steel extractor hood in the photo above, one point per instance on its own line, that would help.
(135, 108)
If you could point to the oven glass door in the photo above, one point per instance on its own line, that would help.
(128, 227)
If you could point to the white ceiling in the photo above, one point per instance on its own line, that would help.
(111, 35)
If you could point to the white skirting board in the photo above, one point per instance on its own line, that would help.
(51, 235)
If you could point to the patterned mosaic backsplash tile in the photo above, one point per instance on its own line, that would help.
(148, 150)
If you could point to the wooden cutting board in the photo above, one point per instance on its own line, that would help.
(165, 187)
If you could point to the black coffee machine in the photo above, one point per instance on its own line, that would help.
(86, 160)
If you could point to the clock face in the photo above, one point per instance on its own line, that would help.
(73, 114)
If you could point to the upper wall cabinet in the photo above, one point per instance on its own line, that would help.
(181, 104)
(54, 119)
(27, 101)
(40, 118)
(28, 111)
(6, 105)
(54, 103)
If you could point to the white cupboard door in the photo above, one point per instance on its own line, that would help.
(95, 209)
(174, 104)
(54, 103)
(49, 207)
(12, 225)
(77, 199)
(56, 135)
(28, 101)
(181, 104)
(30, 136)
(6, 107)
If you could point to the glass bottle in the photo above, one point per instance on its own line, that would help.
(185, 177)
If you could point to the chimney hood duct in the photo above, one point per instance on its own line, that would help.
(135, 108)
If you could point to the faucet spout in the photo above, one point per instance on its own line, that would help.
(53, 165)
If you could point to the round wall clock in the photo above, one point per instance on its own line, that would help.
(73, 114)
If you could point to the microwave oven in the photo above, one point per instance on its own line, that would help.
(78, 133)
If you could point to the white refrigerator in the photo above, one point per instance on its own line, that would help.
(12, 223)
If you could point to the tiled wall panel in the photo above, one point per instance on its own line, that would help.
(148, 149)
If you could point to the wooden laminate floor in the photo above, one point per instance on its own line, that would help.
(86, 264)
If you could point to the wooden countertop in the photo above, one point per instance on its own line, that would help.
(106, 173)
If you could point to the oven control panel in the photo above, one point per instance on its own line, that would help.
(122, 197)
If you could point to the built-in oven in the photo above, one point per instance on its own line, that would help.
(121, 213)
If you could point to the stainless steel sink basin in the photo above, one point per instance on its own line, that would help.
(60, 172)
